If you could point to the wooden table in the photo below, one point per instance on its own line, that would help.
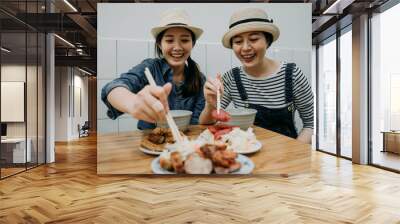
(391, 141)
(118, 153)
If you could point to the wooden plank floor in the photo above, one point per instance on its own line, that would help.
(69, 191)
(10, 171)
(387, 159)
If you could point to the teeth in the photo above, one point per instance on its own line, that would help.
(177, 55)
(247, 56)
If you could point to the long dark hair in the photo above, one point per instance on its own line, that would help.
(192, 84)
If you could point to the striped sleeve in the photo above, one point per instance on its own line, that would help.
(303, 98)
(227, 82)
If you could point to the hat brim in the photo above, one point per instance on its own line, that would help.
(196, 31)
(248, 27)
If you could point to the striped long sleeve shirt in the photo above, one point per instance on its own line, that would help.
(269, 92)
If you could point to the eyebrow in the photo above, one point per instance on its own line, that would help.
(256, 33)
(183, 35)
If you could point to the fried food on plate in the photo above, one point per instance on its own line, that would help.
(157, 139)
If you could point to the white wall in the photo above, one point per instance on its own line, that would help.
(313, 82)
(67, 117)
(15, 73)
(34, 123)
(61, 103)
(79, 117)
(124, 40)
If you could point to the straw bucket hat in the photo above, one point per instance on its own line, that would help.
(247, 20)
(175, 18)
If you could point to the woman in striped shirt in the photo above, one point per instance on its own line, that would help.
(275, 89)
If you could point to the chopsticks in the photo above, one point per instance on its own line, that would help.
(218, 100)
(171, 123)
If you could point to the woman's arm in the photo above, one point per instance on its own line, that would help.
(134, 80)
(122, 99)
(130, 94)
(150, 104)
(304, 102)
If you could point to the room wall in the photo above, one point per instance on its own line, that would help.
(120, 48)
(15, 72)
(313, 81)
(33, 125)
(92, 108)
(79, 116)
(68, 82)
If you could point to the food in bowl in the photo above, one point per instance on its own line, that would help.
(181, 117)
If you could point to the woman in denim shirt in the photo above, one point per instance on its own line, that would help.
(179, 81)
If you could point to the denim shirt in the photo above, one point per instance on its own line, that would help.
(135, 80)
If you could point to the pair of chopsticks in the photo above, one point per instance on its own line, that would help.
(171, 123)
(218, 100)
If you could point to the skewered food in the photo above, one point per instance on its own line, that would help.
(222, 116)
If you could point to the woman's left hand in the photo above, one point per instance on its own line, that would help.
(305, 135)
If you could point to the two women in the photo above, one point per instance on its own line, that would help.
(275, 89)
(179, 81)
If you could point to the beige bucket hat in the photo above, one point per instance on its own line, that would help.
(247, 20)
(176, 18)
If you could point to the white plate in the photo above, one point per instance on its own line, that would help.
(150, 152)
(247, 166)
(256, 146)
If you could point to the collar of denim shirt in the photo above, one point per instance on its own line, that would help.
(168, 72)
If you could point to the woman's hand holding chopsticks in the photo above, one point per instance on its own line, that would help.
(211, 88)
(150, 104)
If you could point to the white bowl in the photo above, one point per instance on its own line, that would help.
(242, 117)
(181, 118)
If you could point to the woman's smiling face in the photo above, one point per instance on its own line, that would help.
(176, 46)
(250, 48)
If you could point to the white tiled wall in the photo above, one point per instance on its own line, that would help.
(106, 63)
(127, 124)
(101, 107)
(218, 59)
(303, 59)
(199, 56)
(130, 53)
(107, 126)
